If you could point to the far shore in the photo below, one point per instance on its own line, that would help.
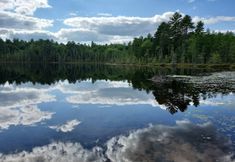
(162, 65)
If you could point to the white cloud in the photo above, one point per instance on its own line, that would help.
(67, 127)
(120, 25)
(183, 142)
(17, 21)
(86, 36)
(104, 14)
(214, 20)
(25, 7)
(26, 34)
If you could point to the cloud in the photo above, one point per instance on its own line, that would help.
(11, 20)
(104, 14)
(26, 34)
(120, 25)
(214, 20)
(24, 7)
(17, 21)
(182, 142)
(86, 36)
(67, 127)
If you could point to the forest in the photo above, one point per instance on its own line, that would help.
(178, 41)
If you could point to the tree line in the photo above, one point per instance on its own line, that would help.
(177, 41)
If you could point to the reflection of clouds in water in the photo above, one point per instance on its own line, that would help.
(183, 142)
(220, 100)
(67, 127)
(85, 92)
(12, 96)
(105, 93)
(27, 115)
(113, 96)
(18, 105)
(57, 152)
(83, 86)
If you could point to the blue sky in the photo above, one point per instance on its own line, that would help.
(104, 21)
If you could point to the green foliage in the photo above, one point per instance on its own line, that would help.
(215, 59)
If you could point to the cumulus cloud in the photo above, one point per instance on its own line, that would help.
(67, 127)
(104, 14)
(80, 35)
(183, 142)
(120, 25)
(25, 7)
(26, 34)
(17, 21)
(214, 20)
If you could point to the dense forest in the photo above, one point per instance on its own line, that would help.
(177, 41)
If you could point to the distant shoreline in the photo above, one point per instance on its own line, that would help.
(162, 65)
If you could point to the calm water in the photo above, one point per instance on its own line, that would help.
(113, 113)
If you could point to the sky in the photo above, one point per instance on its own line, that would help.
(105, 21)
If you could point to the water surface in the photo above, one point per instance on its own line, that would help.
(114, 113)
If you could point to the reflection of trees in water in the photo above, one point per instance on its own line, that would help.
(175, 95)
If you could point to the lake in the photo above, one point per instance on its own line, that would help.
(116, 113)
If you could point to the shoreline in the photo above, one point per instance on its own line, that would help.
(162, 65)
